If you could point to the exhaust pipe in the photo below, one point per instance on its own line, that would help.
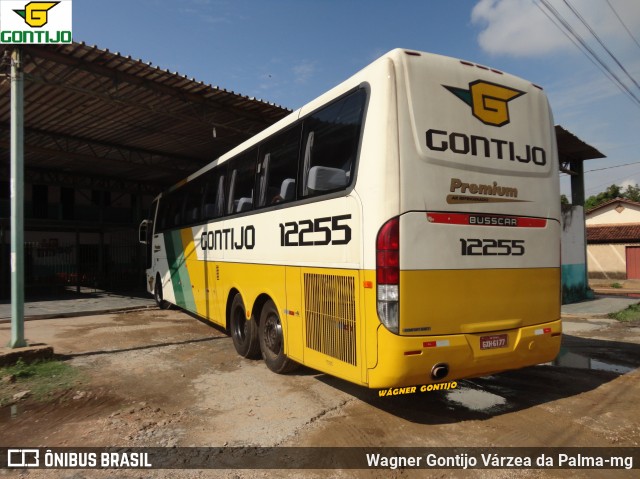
(439, 371)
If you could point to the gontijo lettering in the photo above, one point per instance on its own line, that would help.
(35, 22)
(480, 146)
(229, 239)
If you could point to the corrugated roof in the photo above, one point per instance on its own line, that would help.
(92, 112)
(571, 148)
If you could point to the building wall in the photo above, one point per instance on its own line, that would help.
(608, 261)
(615, 213)
(45, 202)
(105, 252)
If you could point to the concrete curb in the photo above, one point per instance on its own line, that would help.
(617, 291)
(28, 354)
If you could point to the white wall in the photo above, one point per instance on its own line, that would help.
(615, 213)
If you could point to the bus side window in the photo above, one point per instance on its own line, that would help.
(332, 137)
(193, 201)
(161, 221)
(219, 211)
(241, 186)
(214, 195)
(278, 168)
(172, 216)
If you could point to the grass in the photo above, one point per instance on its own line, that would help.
(632, 313)
(42, 378)
(616, 285)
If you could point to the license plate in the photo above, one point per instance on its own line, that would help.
(493, 342)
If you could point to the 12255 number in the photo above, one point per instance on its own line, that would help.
(317, 232)
(491, 247)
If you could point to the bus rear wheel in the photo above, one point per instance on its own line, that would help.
(272, 341)
(243, 332)
(157, 295)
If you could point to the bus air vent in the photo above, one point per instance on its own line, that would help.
(330, 312)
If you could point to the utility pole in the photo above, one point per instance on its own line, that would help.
(17, 200)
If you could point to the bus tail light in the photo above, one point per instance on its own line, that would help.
(388, 274)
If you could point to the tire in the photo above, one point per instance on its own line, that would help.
(157, 295)
(243, 332)
(272, 341)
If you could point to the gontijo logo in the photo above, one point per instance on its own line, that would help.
(488, 101)
(35, 22)
(35, 13)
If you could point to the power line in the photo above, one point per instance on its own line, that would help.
(577, 45)
(615, 59)
(623, 24)
(611, 167)
(615, 181)
(602, 65)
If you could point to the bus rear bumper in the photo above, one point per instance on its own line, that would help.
(409, 360)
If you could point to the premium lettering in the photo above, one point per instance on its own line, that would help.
(494, 189)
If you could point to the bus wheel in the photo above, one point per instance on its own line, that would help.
(157, 295)
(244, 333)
(272, 341)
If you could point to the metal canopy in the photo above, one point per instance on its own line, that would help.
(94, 118)
(97, 119)
(573, 151)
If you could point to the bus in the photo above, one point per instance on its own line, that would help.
(401, 229)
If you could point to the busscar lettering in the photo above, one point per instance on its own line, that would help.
(493, 220)
(229, 239)
(482, 147)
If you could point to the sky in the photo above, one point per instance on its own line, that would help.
(288, 52)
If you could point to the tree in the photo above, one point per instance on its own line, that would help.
(611, 193)
(632, 193)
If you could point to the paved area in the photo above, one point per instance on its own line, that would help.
(73, 304)
(583, 316)
(600, 306)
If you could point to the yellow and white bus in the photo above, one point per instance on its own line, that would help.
(401, 229)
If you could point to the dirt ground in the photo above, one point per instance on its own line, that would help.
(163, 378)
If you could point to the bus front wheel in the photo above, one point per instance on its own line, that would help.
(272, 341)
(157, 295)
(243, 332)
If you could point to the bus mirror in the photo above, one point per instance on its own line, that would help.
(143, 231)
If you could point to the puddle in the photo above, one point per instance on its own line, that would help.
(573, 360)
(475, 399)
